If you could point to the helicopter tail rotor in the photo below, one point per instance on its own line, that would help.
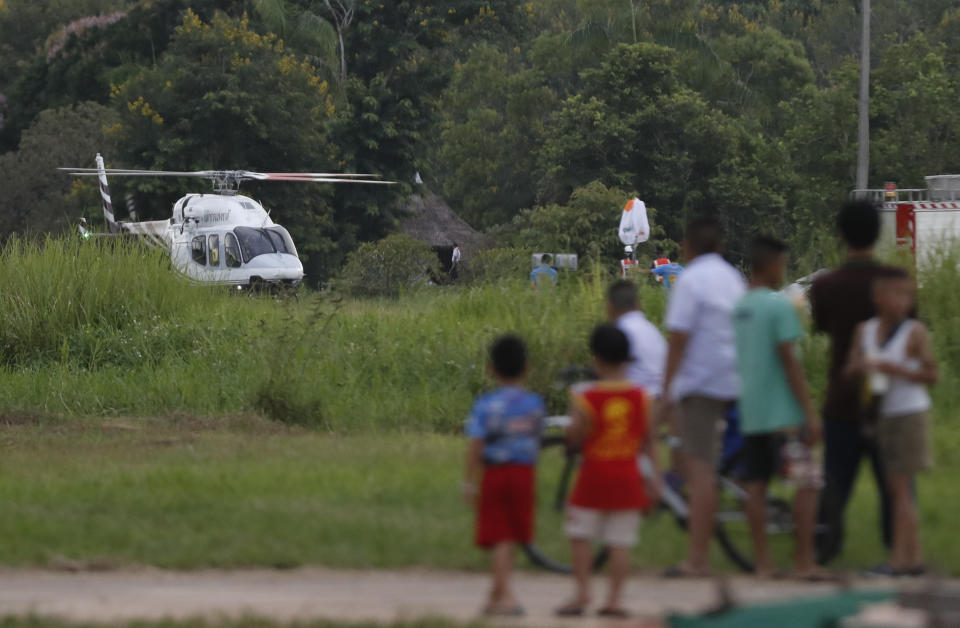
(105, 197)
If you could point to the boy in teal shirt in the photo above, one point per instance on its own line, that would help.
(778, 417)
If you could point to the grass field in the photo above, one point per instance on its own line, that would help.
(143, 420)
(244, 491)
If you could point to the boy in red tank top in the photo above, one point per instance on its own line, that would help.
(610, 424)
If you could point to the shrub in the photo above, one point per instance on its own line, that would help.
(387, 267)
(493, 265)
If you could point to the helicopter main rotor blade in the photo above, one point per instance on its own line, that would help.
(266, 176)
(235, 175)
(119, 172)
(300, 179)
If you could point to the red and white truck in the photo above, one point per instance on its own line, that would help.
(921, 220)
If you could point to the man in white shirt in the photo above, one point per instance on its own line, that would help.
(455, 262)
(700, 376)
(648, 349)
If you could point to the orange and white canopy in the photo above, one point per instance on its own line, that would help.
(634, 225)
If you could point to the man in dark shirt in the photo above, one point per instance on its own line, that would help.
(841, 300)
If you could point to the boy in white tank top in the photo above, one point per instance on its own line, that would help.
(892, 352)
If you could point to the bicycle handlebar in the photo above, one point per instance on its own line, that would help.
(558, 420)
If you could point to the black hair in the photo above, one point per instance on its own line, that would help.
(660, 252)
(609, 344)
(859, 224)
(545, 258)
(455, 245)
(764, 250)
(892, 274)
(508, 355)
(704, 235)
(622, 295)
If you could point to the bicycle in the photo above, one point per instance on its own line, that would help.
(731, 530)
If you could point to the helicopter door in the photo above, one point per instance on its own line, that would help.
(231, 250)
(198, 250)
(213, 251)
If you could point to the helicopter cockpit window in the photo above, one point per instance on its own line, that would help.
(287, 240)
(231, 251)
(254, 242)
(213, 245)
(198, 249)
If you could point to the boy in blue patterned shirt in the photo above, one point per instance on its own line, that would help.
(504, 430)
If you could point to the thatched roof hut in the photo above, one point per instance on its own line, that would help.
(431, 220)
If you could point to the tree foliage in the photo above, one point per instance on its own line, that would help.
(581, 226)
(36, 197)
(533, 116)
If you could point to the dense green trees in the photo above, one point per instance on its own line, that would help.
(36, 198)
(493, 122)
(536, 118)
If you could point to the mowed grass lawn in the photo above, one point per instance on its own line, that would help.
(244, 491)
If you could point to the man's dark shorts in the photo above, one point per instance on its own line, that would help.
(765, 457)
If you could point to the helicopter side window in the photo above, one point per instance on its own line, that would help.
(198, 249)
(231, 250)
(213, 245)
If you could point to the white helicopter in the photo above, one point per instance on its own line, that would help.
(221, 238)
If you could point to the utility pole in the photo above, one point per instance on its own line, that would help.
(863, 141)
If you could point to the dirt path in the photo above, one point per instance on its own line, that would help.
(313, 593)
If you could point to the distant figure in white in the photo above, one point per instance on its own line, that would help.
(418, 179)
(455, 262)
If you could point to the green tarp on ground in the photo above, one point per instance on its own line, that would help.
(814, 612)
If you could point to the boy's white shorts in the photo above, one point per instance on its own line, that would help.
(616, 528)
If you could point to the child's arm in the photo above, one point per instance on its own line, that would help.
(474, 469)
(579, 427)
(798, 384)
(918, 346)
(856, 362)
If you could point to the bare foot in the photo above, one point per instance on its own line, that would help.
(767, 572)
(683, 570)
(813, 574)
(574, 608)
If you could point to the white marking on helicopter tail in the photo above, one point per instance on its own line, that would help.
(105, 192)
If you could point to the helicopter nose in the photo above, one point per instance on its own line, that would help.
(276, 266)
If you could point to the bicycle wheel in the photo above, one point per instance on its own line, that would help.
(555, 470)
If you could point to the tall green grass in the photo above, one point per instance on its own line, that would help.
(106, 328)
(99, 304)
(939, 308)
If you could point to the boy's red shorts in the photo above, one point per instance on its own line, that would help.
(506, 504)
